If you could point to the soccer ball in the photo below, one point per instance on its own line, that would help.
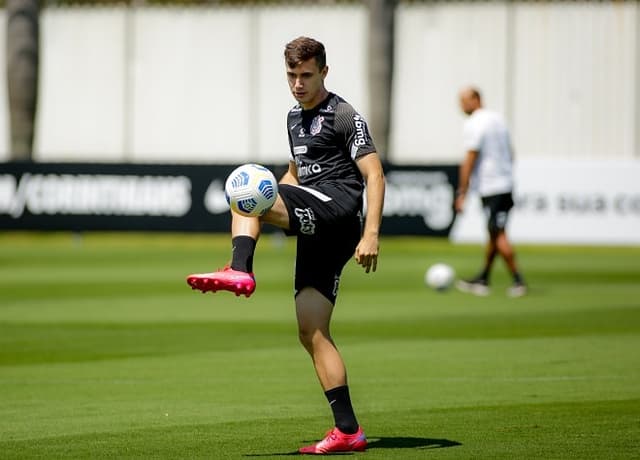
(251, 189)
(440, 276)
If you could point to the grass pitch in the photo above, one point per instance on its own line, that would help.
(105, 352)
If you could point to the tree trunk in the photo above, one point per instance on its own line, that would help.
(22, 74)
(381, 30)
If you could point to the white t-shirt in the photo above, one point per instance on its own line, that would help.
(486, 133)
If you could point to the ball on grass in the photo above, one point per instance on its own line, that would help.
(440, 276)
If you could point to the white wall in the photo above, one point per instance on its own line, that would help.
(207, 84)
(176, 85)
(439, 49)
(576, 79)
(564, 73)
(81, 102)
(190, 85)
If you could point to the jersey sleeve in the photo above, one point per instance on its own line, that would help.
(472, 135)
(291, 157)
(353, 128)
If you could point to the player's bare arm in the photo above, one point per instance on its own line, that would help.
(278, 214)
(466, 167)
(367, 250)
(291, 176)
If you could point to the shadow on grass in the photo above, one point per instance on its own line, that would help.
(400, 442)
(410, 443)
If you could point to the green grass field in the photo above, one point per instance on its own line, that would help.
(105, 352)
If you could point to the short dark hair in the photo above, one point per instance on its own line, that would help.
(475, 93)
(302, 49)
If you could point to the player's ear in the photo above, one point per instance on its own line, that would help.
(324, 72)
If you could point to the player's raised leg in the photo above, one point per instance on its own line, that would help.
(237, 276)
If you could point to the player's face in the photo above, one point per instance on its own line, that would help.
(468, 103)
(306, 82)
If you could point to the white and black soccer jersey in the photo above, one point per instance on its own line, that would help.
(325, 142)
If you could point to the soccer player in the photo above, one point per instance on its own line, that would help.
(488, 167)
(320, 201)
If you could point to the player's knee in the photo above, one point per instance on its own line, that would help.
(308, 337)
(277, 215)
(305, 331)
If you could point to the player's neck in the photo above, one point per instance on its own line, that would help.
(320, 97)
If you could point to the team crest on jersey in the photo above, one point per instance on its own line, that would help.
(316, 125)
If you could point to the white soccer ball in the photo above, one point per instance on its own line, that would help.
(440, 276)
(251, 189)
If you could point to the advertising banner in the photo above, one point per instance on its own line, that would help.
(557, 201)
(190, 198)
(66, 196)
(566, 202)
(419, 200)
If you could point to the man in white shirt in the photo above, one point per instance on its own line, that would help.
(488, 169)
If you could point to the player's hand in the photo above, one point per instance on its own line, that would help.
(367, 253)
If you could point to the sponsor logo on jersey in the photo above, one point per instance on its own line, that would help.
(307, 220)
(307, 170)
(299, 150)
(316, 125)
(361, 130)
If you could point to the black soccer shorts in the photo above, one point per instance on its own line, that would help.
(497, 208)
(328, 224)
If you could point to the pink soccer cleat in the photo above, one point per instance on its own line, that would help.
(337, 441)
(226, 279)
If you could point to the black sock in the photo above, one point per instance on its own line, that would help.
(242, 253)
(483, 276)
(517, 278)
(340, 403)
